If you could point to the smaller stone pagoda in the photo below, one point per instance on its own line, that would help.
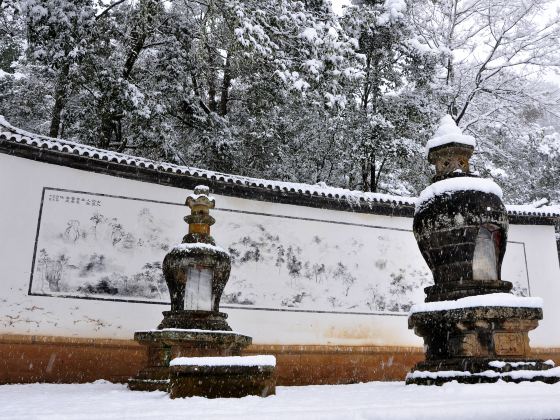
(193, 351)
(474, 329)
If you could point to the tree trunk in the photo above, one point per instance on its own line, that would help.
(138, 37)
(111, 125)
(106, 130)
(367, 84)
(59, 100)
(376, 176)
(365, 173)
(226, 84)
(372, 170)
(211, 78)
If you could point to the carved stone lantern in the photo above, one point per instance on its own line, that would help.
(194, 334)
(474, 330)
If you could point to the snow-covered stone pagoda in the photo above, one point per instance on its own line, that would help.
(194, 352)
(474, 329)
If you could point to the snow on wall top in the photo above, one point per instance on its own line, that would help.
(448, 132)
(17, 135)
(532, 210)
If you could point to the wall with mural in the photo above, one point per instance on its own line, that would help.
(87, 262)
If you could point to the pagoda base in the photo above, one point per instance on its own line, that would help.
(454, 291)
(479, 344)
(150, 379)
(166, 344)
(223, 380)
(479, 370)
(201, 320)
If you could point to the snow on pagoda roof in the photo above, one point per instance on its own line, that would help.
(13, 134)
(447, 133)
(450, 185)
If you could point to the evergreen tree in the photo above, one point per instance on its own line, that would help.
(288, 90)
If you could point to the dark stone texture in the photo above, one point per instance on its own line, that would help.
(479, 369)
(175, 266)
(221, 381)
(223, 342)
(479, 332)
(165, 345)
(203, 320)
(481, 364)
(449, 158)
(150, 379)
(453, 291)
(446, 230)
(434, 319)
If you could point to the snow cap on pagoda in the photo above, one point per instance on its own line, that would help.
(448, 133)
(450, 150)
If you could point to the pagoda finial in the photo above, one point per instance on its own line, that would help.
(200, 203)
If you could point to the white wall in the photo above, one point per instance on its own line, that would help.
(327, 311)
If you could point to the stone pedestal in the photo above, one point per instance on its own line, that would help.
(225, 380)
(485, 371)
(485, 331)
(472, 345)
(167, 344)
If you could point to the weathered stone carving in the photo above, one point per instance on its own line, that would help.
(254, 376)
(461, 228)
(196, 272)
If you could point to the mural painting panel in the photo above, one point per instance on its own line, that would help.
(107, 247)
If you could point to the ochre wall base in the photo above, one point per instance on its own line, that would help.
(25, 359)
(318, 365)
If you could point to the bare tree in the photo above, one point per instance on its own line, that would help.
(489, 49)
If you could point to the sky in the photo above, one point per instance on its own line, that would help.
(338, 5)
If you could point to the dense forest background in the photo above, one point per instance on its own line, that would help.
(291, 90)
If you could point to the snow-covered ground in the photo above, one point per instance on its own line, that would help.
(374, 400)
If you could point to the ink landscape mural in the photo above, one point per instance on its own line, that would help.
(107, 247)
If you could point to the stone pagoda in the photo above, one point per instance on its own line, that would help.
(193, 351)
(474, 329)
